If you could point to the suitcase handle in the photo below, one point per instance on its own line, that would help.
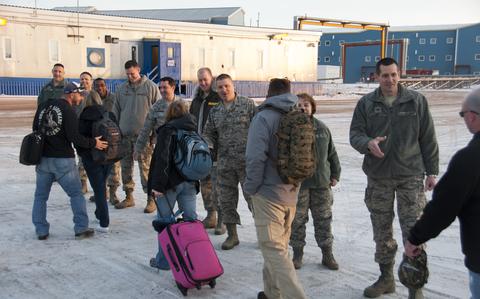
(170, 254)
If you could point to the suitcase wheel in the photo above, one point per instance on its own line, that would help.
(182, 289)
(212, 283)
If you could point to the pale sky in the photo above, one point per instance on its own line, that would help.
(280, 13)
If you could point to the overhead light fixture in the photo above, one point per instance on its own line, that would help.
(3, 22)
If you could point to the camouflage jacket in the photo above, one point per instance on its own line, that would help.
(109, 101)
(411, 146)
(155, 118)
(226, 130)
(49, 92)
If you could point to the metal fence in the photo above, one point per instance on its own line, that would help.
(254, 89)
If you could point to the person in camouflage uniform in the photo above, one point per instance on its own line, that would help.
(204, 99)
(393, 128)
(108, 100)
(133, 100)
(155, 118)
(226, 130)
(315, 192)
(54, 88)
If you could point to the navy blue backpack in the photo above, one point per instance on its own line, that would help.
(192, 156)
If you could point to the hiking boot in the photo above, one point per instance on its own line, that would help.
(84, 186)
(85, 234)
(297, 257)
(415, 294)
(112, 192)
(261, 295)
(385, 283)
(150, 207)
(328, 260)
(211, 220)
(232, 239)
(43, 237)
(129, 201)
(220, 228)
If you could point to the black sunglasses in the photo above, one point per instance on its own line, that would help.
(462, 113)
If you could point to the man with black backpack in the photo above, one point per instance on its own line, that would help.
(274, 201)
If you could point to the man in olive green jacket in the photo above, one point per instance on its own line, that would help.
(393, 128)
(54, 88)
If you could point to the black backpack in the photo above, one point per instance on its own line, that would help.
(110, 132)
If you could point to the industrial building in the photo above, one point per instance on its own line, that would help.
(440, 50)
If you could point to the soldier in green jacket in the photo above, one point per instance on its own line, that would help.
(316, 194)
(54, 88)
(393, 128)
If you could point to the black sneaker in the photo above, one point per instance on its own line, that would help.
(85, 234)
(43, 237)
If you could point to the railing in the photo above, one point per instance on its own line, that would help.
(254, 89)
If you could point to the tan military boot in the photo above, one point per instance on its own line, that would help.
(150, 207)
(112, 190)
(415, 294)
(211, 220)
(129, 201)
(220, 229)
(297, 257)
(84, 186)
(327, 259)
(385, 283)
(232, 239)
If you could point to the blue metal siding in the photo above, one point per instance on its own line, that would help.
(468, 47)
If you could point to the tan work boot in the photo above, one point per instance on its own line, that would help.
(112, 193)
(415, 294)
(150, 207)
(129, 201)
(232, 239)
(327, 259)
(297, 257)
(385, 283)
(220, 229)
(211, 220)
(84, 186)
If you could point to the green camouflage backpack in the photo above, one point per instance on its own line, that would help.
(296, 146)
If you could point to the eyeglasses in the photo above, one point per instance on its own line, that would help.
(462, 113)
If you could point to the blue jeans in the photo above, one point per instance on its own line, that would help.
(64, 171)
(475, 285)
(185, 194)
(97, 175)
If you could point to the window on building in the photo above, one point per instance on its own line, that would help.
(477, 56)
(231, 57)
(448, 57)
(260, 59)
(341, 42)
(377, 58)
(477, 38)
(476, 73)
(368, 58)
(422, 41)
(170, 52)
(7, 48)
(201, 57)
(421, 58)
(433, 41)
(449, 40)
(327, 43)
(326, 59)
(447, 73)
(53, 51)
(431, 58)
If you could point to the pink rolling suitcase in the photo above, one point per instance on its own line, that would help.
(190, 254)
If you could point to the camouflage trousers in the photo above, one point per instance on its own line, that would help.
(127, 164)
(209, 190)
(113, 179)
(227, 191)
(319, 201)
(379, 198)
(81, 170)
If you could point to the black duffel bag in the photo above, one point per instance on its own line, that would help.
(32, 148)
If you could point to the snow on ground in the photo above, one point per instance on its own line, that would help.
(115, 265)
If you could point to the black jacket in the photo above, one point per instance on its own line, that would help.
(163, 174)
(88, 116)
(457, 194)
(61, 129)
(209, 102)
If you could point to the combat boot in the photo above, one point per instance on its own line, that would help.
(297, 257)
(211, 220)
(385, 283)
(129, 201)
(150, 207)
(220, 229)
(327, 259)
(84, 186)
(232, 239)
(112, 190)
(415, 294)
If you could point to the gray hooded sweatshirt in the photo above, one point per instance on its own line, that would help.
(261, 154)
